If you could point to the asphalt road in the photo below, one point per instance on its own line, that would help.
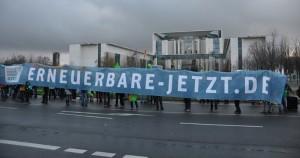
(54, 130)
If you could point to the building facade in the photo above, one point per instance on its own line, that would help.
(106, 55)
(179, 50)
(205, 50)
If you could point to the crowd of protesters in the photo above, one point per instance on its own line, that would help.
(24, 93)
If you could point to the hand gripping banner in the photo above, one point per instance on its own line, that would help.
(241, 85)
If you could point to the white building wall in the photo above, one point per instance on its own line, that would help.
(179, 42)
(89, 55)
(64, 59)
(198, 46)
(83, 55)
(234, 53)
(171, 47)
(164, 48)
(154, 39)
(75, 54)
(174, 46)
(209, 45)
(202, 46)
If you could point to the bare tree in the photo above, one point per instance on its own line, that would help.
(20, 59)
(284, 56)
(107, 61)
(271, 55)
(42, 60)
(256, 57)
(296, 54)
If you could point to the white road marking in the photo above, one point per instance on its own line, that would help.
(250, 115)
(221, 114)
(5, 107)
(103, 154)
(221, 125)
(80, 112)
(133, 156)
(127, 114)
(77, 151)
(27, 144)
(109, 114)
(293, 116)
(36, 104)
(85, 116)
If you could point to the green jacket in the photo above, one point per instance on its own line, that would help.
(116, 65)
(133, 97)
(286, 93)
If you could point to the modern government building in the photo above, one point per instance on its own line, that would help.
(207, 50)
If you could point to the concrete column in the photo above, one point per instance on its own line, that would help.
(174, 47)
(198, 46)
(179, 46)
(193, 48)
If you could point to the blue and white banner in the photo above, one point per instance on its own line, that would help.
(242, 85)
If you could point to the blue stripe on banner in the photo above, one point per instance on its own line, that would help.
(242, 85)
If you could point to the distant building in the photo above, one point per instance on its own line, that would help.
(60, 59)
(179, 50)
(105, 55)
(206, 50)
(56, 59)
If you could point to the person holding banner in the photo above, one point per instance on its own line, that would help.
(84, 98)
(187, 101)
(52, 93)
(106, 99)
(133, 100)
(91, 96)
(159, 104)
(213, 103)
(27, 91)
(99, 97)
(119, 96)
(4, 95)
(255, 85)
(267, 107)
(286, 92)
(237, 107)
(45, 95)
(68, 96)
(298, 91)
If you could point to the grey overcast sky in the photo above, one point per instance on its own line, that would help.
(51, 25)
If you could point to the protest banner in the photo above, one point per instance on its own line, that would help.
(241, 85)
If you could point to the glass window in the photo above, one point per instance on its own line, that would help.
(158, 47)
(195, 46)
(216, 45)
(188, 44)
(117, 58)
